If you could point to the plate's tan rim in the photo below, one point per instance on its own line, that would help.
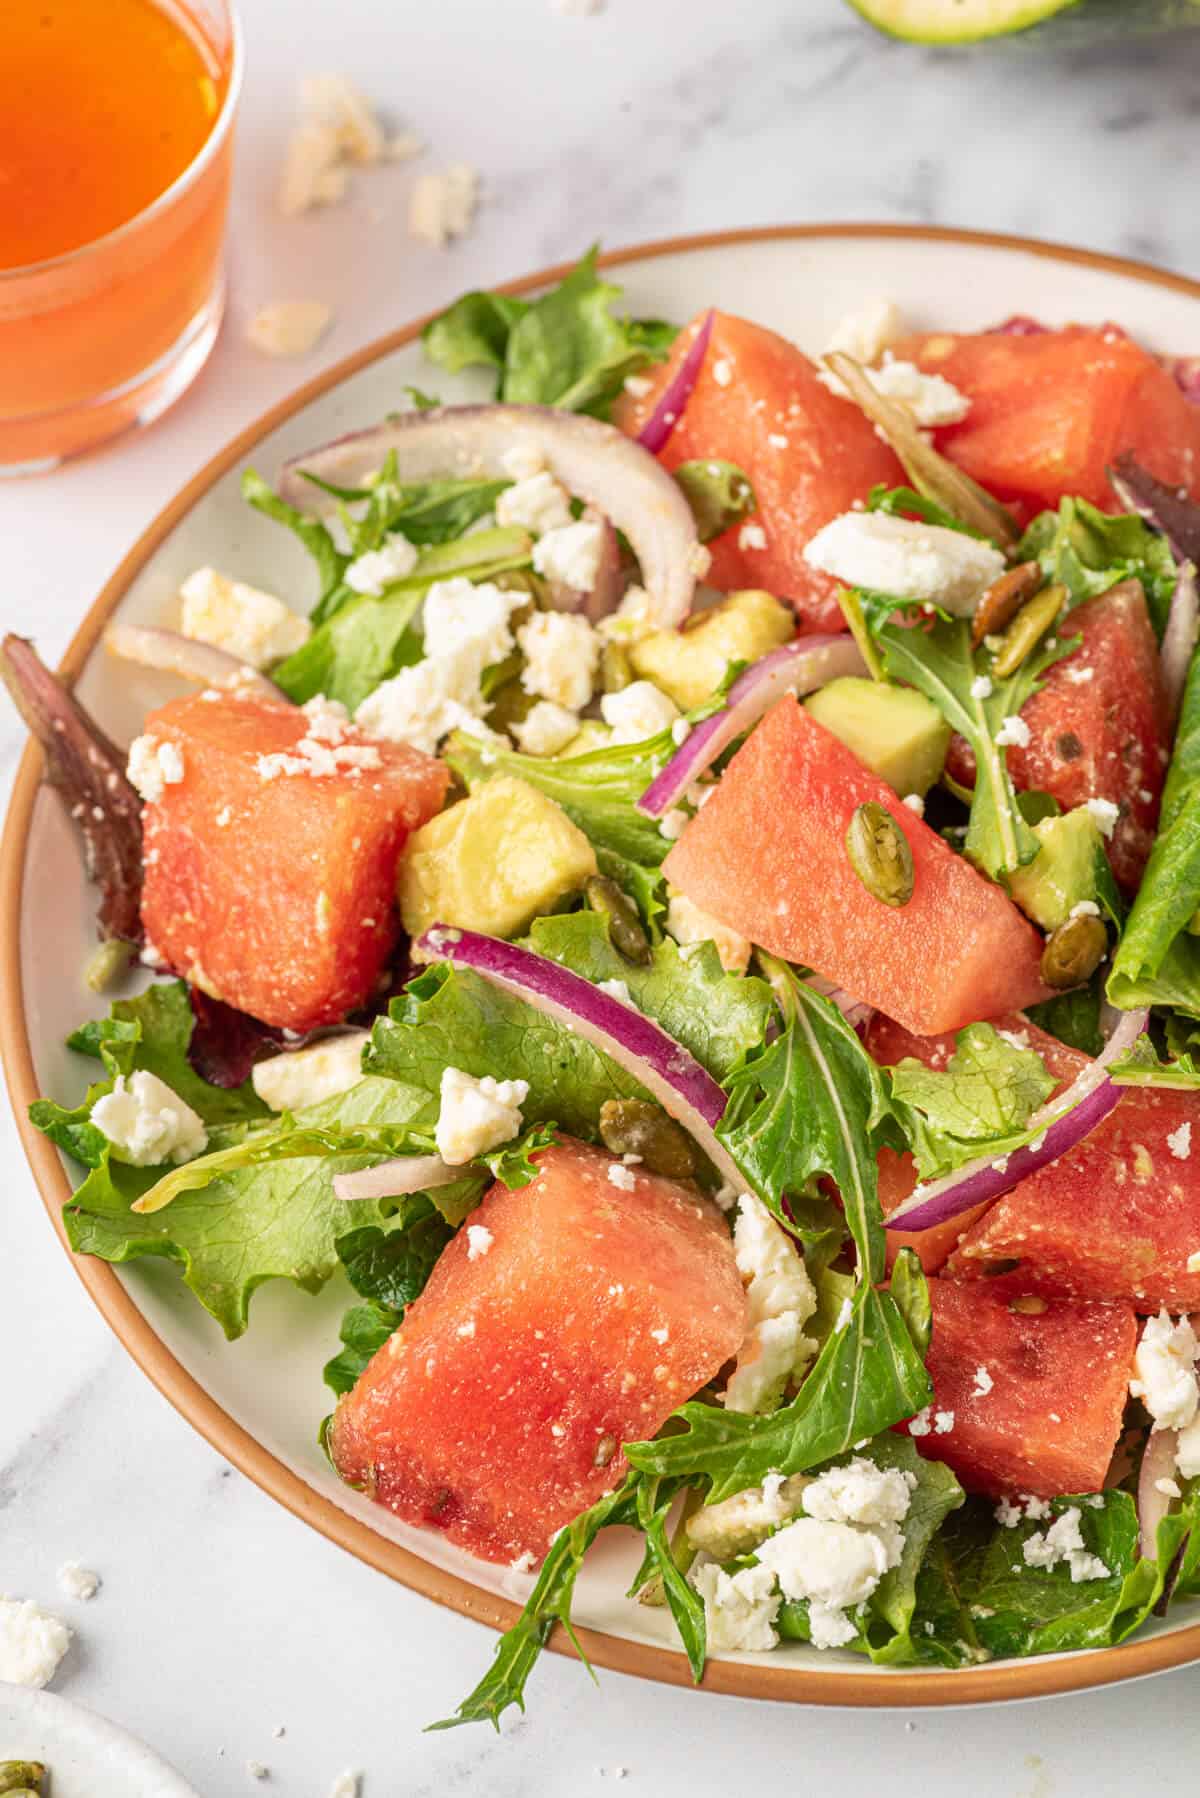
(1026, 1679)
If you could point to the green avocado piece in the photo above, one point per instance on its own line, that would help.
(1074, 22)
(1062, 874)
(895, 731)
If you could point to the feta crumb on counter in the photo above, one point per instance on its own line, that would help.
(476, 1115)
(740, 1608)
(479, 1241)
(638, 711)
(76, 1581)
(32, 1643)
(244, 621)
(153, 766)
(378, 568)
(442, 205)
(346, 1785)
(305, 1076)
(1062, 1544)
(868, 331)
(688, 923)
(538, 503)
(333, 101)
(780, 1299)
(289, 327)
(546, 728)
(1165, 1372)
(571, 554)
(906, 557)
(147, 1123)
(562, 653)
(257, 1769)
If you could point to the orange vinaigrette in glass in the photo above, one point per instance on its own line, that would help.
(115, 156)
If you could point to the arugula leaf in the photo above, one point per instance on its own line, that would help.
(511, 1163)
(1158, 960)
(566, 349)
(1089, 551)
(810, 1103)
(986, 1095)
(315, 536)
(655, 1499)
(910, 1289)
(905, 502)
(718, 1017)
(719, 494)
(1142, 1067)
(867, 1377)
(939, 662)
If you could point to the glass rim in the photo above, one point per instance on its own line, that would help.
(184, 180)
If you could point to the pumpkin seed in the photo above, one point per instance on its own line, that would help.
(638, 1127)
(1074, 951)
(879, 854)
(625, 928)
(1004, 599)
(17, 1777)
(1028, 628)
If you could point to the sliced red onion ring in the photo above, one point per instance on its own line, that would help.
(798, 667)
(604, 467)
(1063, 1122)
(678, 391)
(392, 1179)
(1186, 370)
(667, 1071)
(1178, 518)
(177, 654)
(1158, 1463)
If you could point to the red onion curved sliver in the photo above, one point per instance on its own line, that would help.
(174, 653)
(667, 1070)
(1067, 1120)
(1158, 1463)
(666, 415)
(798, 667)
(392, 1179)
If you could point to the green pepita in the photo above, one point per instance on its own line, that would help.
(1028, 628)
(17, 1777)
(1074, 951)
(626, 931)
(638, 1127)
(879, 854)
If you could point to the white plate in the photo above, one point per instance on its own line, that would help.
(85, 1755)
(261, 1399)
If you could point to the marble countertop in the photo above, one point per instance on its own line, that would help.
(221, 1617)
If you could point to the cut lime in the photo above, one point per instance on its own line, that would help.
(970, 21)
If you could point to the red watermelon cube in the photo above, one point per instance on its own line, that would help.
(596, 1300)
(272, 837)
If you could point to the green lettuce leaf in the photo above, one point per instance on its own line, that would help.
(331, 564)
(1074, 1018)
(1142, 1067)
(905, 502)
(364, 1330)
(388, 1269)
(719, 494)
(1089, 551)
(983, 1099)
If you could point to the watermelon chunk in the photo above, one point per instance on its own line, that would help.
(767, 856)
(1036, 1389)
(1116, 1217)
(809, 454)
(276, 893)
(1098, 726)
(497, 1411)
(1050, 411)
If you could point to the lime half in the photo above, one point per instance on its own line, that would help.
(970, 21)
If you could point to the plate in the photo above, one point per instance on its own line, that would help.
(259, 1400)
(87, 1756)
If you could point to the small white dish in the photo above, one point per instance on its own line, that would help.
(85, 1755)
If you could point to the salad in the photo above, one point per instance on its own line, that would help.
(698, 925)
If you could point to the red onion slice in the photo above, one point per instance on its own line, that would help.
(667, 1071)
(855, 1011)
(798, 667)
(1062, 1122)
(678, 391)
(601, 465)
(176, 654)
(1158, 1463)
(392, 1179)
(1171, 511)
(1179, 638)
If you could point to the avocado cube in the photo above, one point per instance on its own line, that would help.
(492, 862)
(895, 731)
(1062, 874)
(690, 664)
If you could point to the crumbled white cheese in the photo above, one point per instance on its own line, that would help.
(981, 687)
(1168, 1487)
(739, 1608)
(422, 704)
(861, 1492)
(616, 989)
(984, 1382)
(845, 1313)
(1193, 1262)
(346, 1785)
(1180, 1141)
(378, 568)
(681, 730)
(931, 399)
(546, 728)
(1013, 730)
(735, 1525)
(289, 327)
(752, 536)
(833, 1567)
(561, 653)
(868, 331)
(78, 1582)
(1063, 1543)
(442, 205)
(939, 1423)
(906, 557)
(330, 746)
(638, 386)
(1008, 1514)
(305, 1076)
(247, 623)
(461, 616)
(621, 1176)
(722, 371)
(943, 1423)
(153, 766)
(570, 555)
(638, 711)
(1079, 677)
(257, 1769)
(687, 923)
(479, 1241)
(780, 1299)
(32, 1643)
(915, 803)
(1105, 813)
(333, 101)
(476, 1115)
(673, 823)
(1165, 1372)
(538, 504)
(312, 172)
(147, 1123)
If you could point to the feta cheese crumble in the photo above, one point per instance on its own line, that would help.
(476, 1115)
(638, 711)
(305, 1076)
(868, 331)
(984, 1382)
(147, 1123)
(561, 652)
(378, 568)
(289, 327)
(154, 766)
(442, 205)
(546, 728)
(621, 1176)
(981, 687)
(330, 746)
(687, 923)
(739, 1608)
(539, 504)
(571, 554)
(931, 399)
(78, 1582)
(616, 989)
(673, 823)
(1105, 813)
(1062, 1544)
(424, 703)
(1180, 1141)
(245, 622)
(465, 618)
(479, 1241)
(752, 536)
(906, 557)
(780, 1299)
(1013, 730)
(833, 1567)
(1165, 1372)
(32, 1643)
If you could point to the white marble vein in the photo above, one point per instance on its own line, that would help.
(220, 1615)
